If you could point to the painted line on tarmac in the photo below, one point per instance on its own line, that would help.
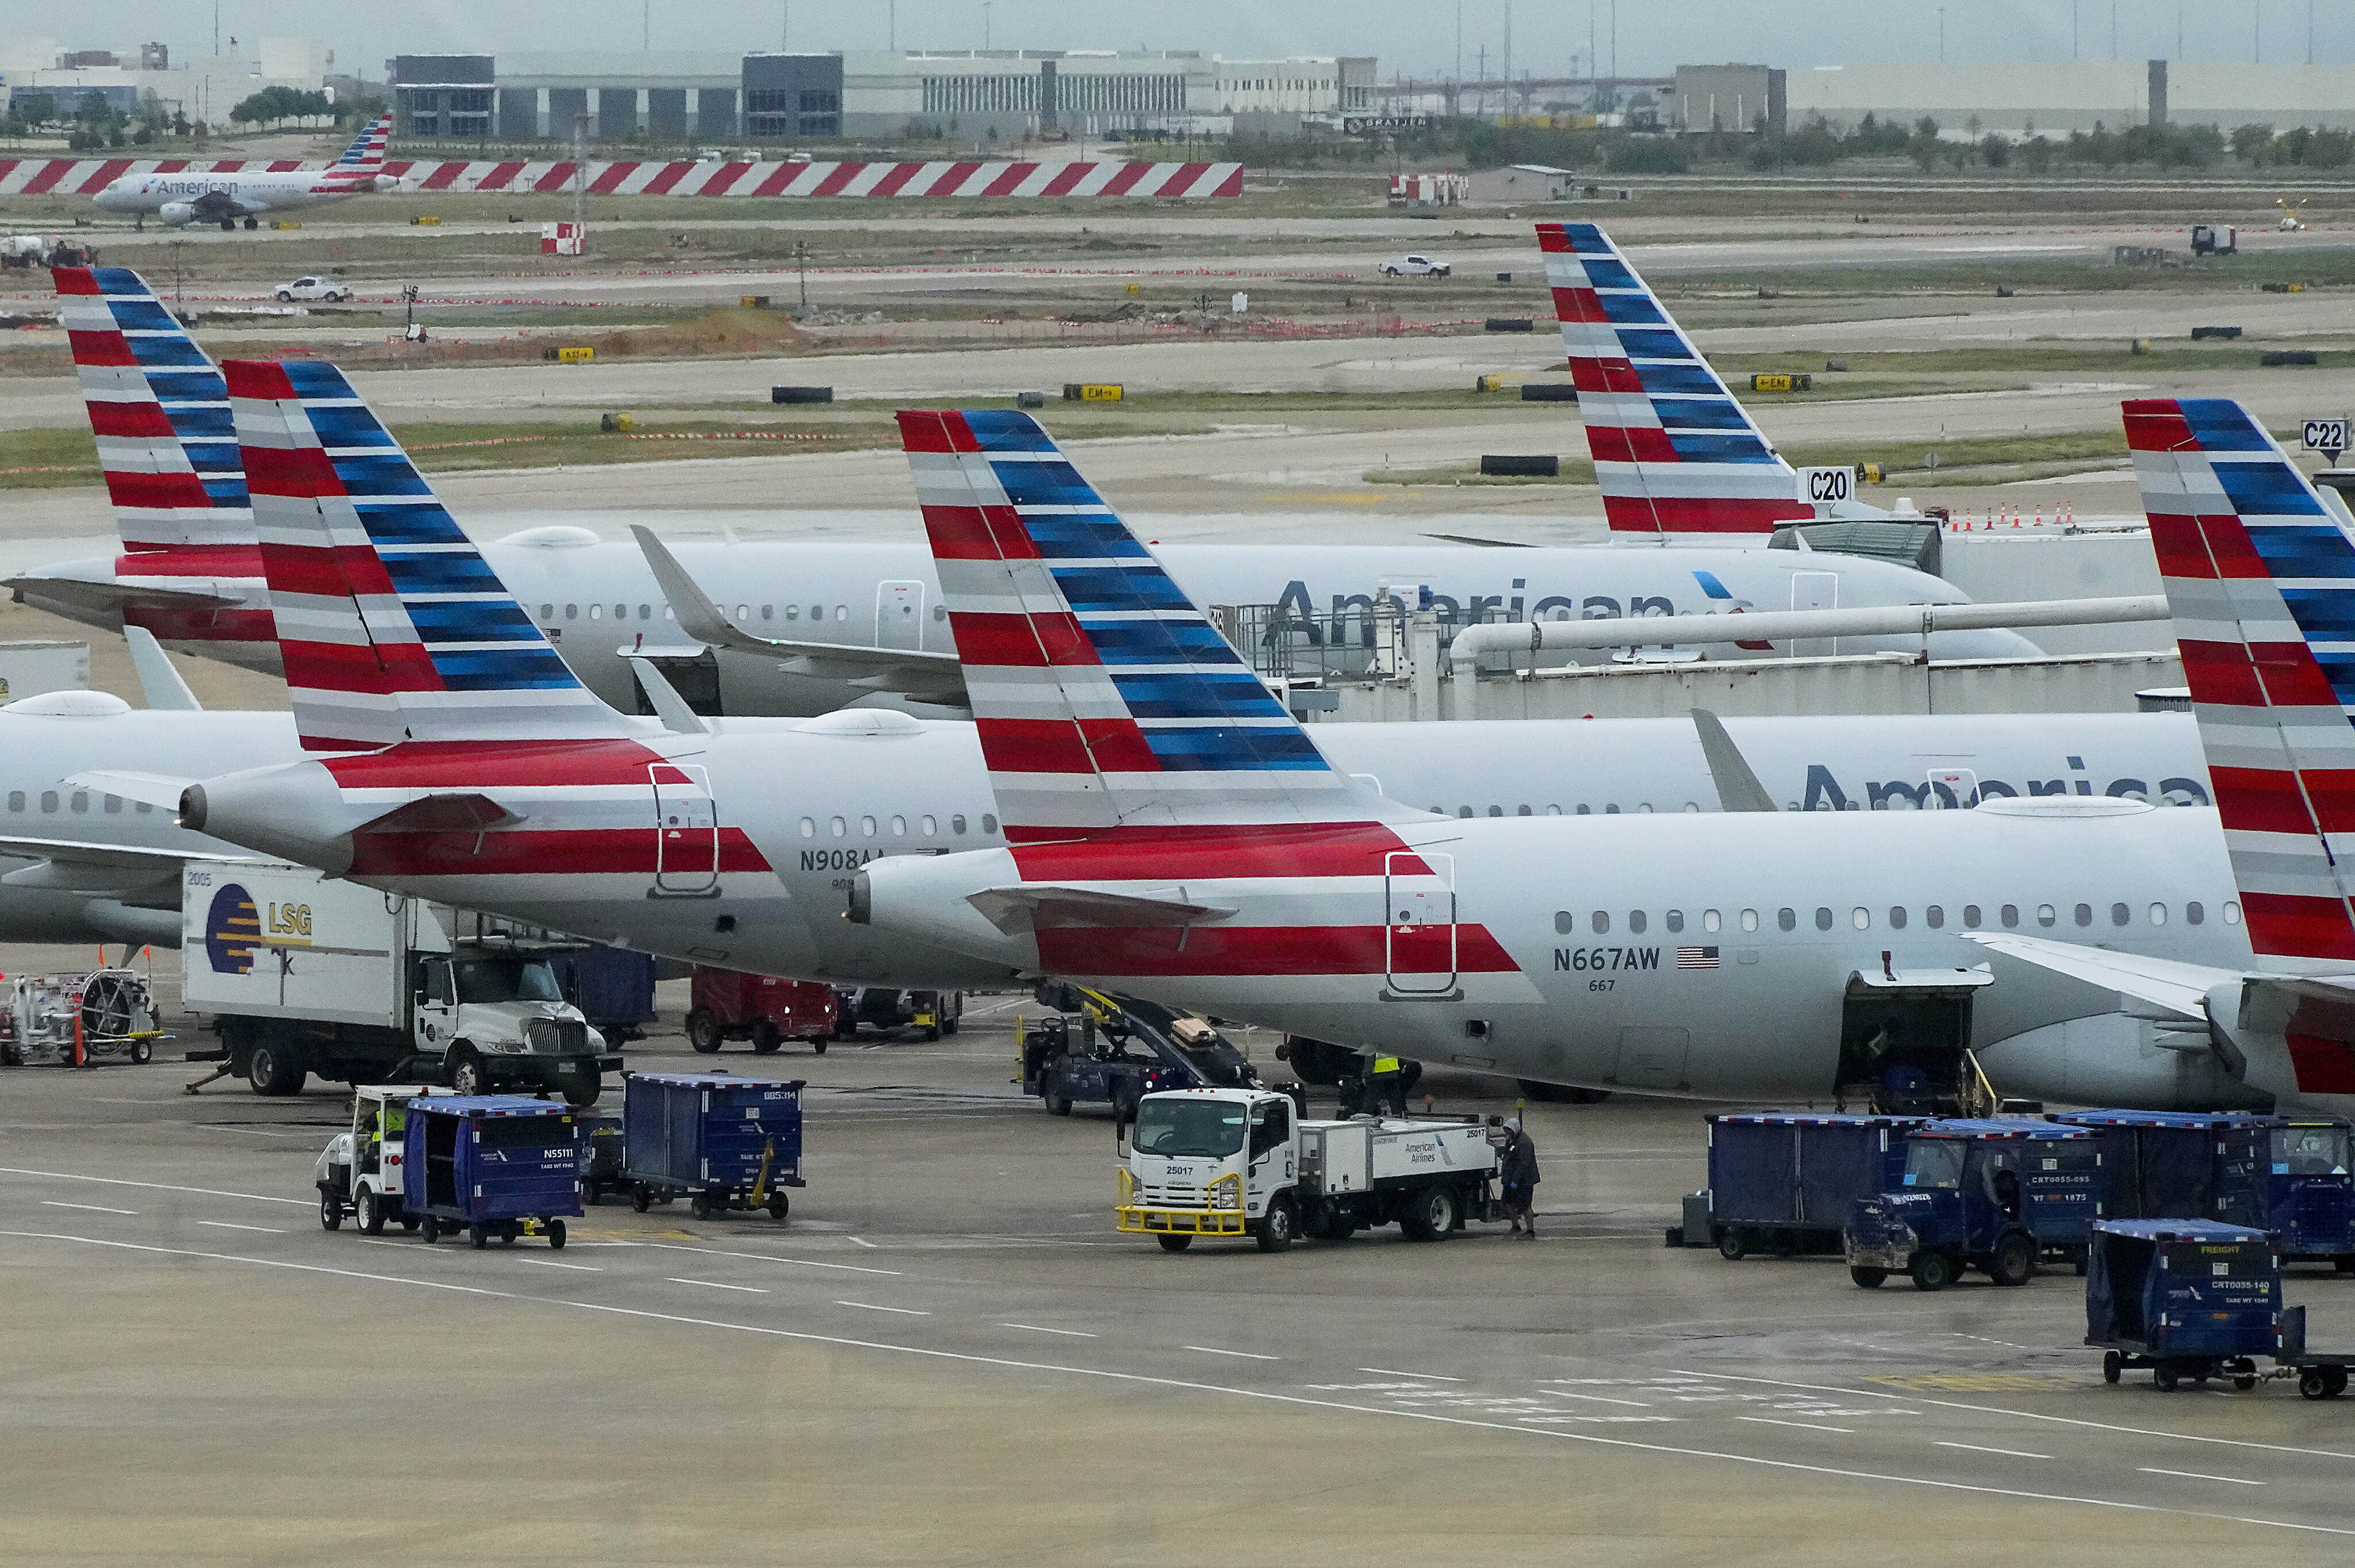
(93, 1208)
(155, 1186)
(2196, 1476)
(1191, 1386)
(1770, 1421)
(1599, 1399)
(1393, 1371)
(1915, 1398)
(715, 1284)
(551, 1263)
(1042, 1328)
(871, 1307)
(761, 1257)
(1246, 1355)
(857, 1241)
(225, 1225)
(1983, 1449)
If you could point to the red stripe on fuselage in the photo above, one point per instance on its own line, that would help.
(1265, 950)
(1257, 850)
(493, 764)
(544, 851)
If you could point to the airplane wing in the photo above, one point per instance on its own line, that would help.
(72, 866)
(2176, 988)
(911, 671)
(1034, 907)
(161, 791)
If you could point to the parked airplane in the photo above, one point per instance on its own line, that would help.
(184, 198)
(1171, 833)
(498, 783)
(798, 628)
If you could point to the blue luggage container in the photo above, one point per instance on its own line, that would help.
(1786, 1182)
(2188, 1299)
(492, 1165)
(2286, 1175)
(1995, 1195)
(612, 987)
(723, 1141)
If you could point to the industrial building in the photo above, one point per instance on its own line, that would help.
(965, 95)
(203, 90)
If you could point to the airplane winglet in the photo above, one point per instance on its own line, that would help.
(1738, 789)
(669, 706)
(159, 683)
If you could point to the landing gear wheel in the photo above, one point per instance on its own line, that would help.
(2114, 1366)
(1280, 1226)
(703, 1031)
(480, 1235)
(641, 1199)
(1732, 1246)
(371, 1213)
(778, 1206)
(432, 1230)
(1868, 1278)
(1174, 1244)
(765, 1038)
(1931, 1271)
(331, 1213)
(2014, 1261)
(1429, 1217)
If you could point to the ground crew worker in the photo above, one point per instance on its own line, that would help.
(1520, 1177)
(1386, 1085)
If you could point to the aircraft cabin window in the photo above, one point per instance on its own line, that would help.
(1710, 920)
(1971, 917)
(1562, 922)
(840, 827)
(1643, 808)
(16, 800)
(571, 612)
(867, 826)
(1897, 918)
(621, 612)
(842, 612)
(2193, 913)
(1521, 811)
(1463, 811)
(1750, 919)
(956, 824)
(1553, 811)
(2084, 912)
(49, 799)
(1602, 922)
(81, 800)
(1496, 810)
(899, 827)
(1694, 806)
(669, 614)
(645, 612)
(1676, 919)
(1637, 921)
(2011, 914)
(113, 805)
(809, 827)
(940, 612)
(988, 823)
(743, 612)
(932, 826)
(1823, 918)
(1861, 919)
(2231, 913)
(142, 807)
(1584, 810)
(2046, 914)
(2158, 914)
(1787, 919)
(817, 612)
(793, 612)
(768, 612)
(2120, 915)
(548, 612)
(596, 612)
(1611, 810)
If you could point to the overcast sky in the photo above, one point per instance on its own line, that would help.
(1417, 37)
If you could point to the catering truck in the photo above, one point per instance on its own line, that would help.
(1241, 1161)
(302, 974)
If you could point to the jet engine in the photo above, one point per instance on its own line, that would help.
(176, 213)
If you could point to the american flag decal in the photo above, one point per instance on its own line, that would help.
(1696, 957)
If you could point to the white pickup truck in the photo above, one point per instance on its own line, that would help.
(312, 289)
(1414, 267)
(1235, 1162)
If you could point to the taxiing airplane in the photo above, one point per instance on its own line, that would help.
(224, 198)
(805, 627)
(490, 779)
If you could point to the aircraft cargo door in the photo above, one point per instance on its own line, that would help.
(686, 832)
(899, 615)
(1419, 924)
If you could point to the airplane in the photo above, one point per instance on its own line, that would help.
(1676, 455)
(1171, 833)
(487, 776)
(184, 198)
(795, 628)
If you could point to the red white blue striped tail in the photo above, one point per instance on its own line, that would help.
(1103, 696)
(160, 413)
(2261, 578)
(392, 625)
(1674, 453)
(366, 150)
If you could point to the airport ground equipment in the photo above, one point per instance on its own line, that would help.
(77, 1019)
(612, 987)
(1098, 1049)
(492, 1165)
(2189, 1299)
(2321, 1374)
(2289, 1176)
(1239, 1162)
(1786, 1184)
(728, 1004)
(303, 974)
(603, 1162)
(720, 1141)
(932, 1012)
(2215, 239)
(359, 1173)
(1993, 1194)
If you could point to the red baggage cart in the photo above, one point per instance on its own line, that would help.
(767, 1011)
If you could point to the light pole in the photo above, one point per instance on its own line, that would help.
(1942, 35)
(800, 266)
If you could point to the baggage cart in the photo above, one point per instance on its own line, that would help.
(722, 1141)
(2189, 1299)
(932, 1013)
(1995, 1193)
(492, 1165)
(730, 1005)
(1118, 1050)
(1787, 1183)
(2321, 1374)
(2286, 1175)
(359, 1172)
(601, 1162)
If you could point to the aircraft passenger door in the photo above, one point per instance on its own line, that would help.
(1815, 590)
(687, 831)
(1419, 923)
(1952, 789)
(899, 615)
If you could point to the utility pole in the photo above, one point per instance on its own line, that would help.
(1508, 55)
(1593, 63)
(2114, 31)
(580, 175)
(647, 25)
(1459, 38)
(2256, 32)
(1942, 35)
(985, 26)
(2073, 29)
(891, 24)
(800, 266)
(785, 27)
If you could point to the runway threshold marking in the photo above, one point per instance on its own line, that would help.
(1983, 1449)
(2196, 1476)
(1189, 1385)
(93, 1208)
(1770, 1421)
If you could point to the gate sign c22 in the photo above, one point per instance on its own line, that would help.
(2327, 435)
(1826, 486)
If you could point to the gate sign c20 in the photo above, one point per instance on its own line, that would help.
(2326, 435)
(1825, 486)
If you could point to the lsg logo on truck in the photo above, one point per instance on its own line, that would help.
(290, 920)
(232, 927)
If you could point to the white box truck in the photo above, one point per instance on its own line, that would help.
(302, 974)
(1236, 1163)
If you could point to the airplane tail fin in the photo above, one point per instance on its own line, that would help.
(160, 415)
(1104, 697)
(367, 148)
(2261, 583)
(1674, 453)
(392, 626)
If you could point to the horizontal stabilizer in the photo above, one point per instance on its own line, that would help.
(1035, 908)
